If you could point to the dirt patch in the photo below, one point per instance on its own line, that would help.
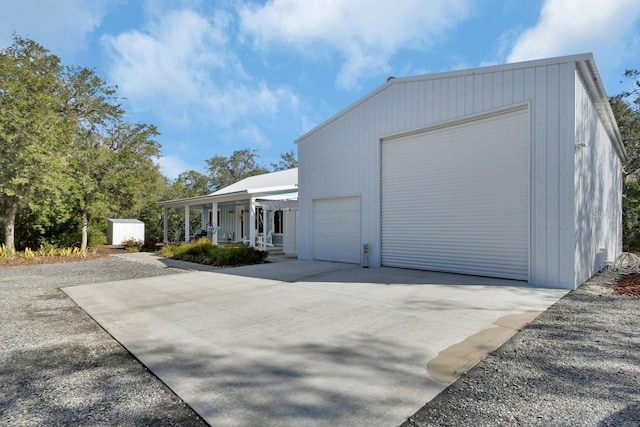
(102, 251)
(628, 285)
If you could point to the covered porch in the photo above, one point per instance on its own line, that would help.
(245, 212)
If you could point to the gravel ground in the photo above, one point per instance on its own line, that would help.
(578, 364)
(58, 367)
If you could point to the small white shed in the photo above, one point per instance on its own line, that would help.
(119, 230)
(511, 171)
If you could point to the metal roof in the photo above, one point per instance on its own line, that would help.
(274, 181)
(254, 186)
(124, 221)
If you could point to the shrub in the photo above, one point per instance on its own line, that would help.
(65, 252)
(202, 251)
(29, 254)
(6, 252)
(132, 245)
(95, 236)
(47, 249)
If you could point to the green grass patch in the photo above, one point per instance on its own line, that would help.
(202, 251)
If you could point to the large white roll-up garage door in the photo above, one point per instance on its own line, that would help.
(456, 198)
(336, 229)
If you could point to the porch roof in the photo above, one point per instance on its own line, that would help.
(259, 186)
(279, 201)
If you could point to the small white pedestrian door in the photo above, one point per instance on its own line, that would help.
(456, 198)
(336, 229)
(290, 239)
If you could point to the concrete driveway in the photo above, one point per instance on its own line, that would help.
(311, 343)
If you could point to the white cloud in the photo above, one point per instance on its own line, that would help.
(578, 26)
(365, 34)
(172, 166)
(182, 67)
(61, 26)
(254, 137)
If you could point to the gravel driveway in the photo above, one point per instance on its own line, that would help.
(58, 367)
(577, 364)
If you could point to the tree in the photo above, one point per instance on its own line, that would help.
(34, 130)
(287, 161)
(225, 171)
(93, 107)
(122, 175)
(191, 183)
(626, 109)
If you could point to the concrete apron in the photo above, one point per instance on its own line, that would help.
(311, 343)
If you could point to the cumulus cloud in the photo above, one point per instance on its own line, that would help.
(181, 64)
(578, 26)
(366, 35)
(172, 166)
(63, 24)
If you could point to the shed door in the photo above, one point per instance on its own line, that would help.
(336, 229)
(457, 198)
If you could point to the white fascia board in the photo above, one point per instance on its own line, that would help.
(204, 200)
(268, 190)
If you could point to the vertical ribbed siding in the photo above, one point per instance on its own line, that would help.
(457, 198)
(597, 217)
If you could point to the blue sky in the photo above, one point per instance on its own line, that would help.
(217, 76)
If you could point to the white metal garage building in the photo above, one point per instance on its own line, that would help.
(511, 171)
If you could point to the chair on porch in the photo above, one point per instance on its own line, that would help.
(265, 241)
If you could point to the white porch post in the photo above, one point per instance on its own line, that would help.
(165, 225)
(264, 227)
(203, 218)
(214, 223)
(252, 223)
(186, 223)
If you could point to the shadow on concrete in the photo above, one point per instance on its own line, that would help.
(287, 391)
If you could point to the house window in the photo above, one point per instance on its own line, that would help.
(218, 223)
(278, 222)
(259, 225)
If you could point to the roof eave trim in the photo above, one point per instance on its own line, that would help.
(589, 72)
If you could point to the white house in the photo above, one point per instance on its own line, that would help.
(268, 201)
(510, 171)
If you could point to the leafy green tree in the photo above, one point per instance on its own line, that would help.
(191, 183)
(626, 109)
(94, 108)
(34, 130)
(117, 175)
(224, 171)
(287, 161)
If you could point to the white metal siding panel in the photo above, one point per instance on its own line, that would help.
(598, 195)
(457, 198)
(336, 229)
(551, 89)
